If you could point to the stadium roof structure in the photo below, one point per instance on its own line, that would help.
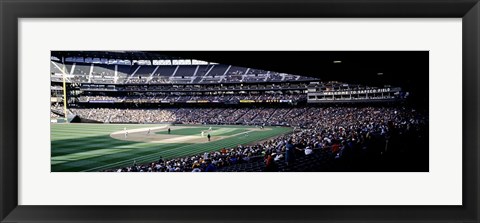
(125, 55)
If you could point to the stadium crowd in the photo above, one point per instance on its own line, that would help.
(348, 134)
(156, 98)
(109, 115)
(302, 117)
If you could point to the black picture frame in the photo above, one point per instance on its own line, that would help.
(12, 10)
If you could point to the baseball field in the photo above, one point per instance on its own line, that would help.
(98, 147)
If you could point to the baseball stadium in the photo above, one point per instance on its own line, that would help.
(239, 111)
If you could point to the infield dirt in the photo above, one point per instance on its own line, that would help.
(141, 135)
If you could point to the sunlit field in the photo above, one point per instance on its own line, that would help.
(98, 147)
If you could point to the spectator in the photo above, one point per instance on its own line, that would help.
(270, 165)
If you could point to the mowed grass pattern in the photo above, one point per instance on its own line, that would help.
(89, 147)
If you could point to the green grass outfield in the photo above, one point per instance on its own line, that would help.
(89, 147)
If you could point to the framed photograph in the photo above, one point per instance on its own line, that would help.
(205, 111)
(160, 111)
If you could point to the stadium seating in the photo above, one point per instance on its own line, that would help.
(81, 69)
(142, 71)
(165, 71)
(187, 70)
(124, 71)
(104, 69)
(56, 68)
(218, 70)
